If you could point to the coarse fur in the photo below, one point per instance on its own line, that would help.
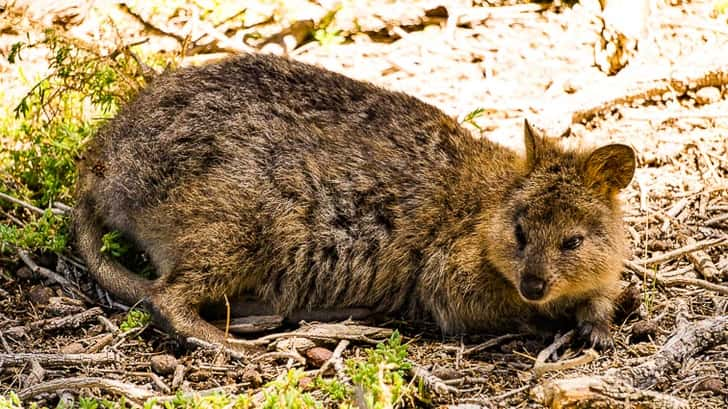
(264, 176)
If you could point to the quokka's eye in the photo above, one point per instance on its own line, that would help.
(572, 243)
(520, 237)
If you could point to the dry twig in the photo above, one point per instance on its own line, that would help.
(57, 360)
(51, 275)
(676, 282)
(540, 367)
(132, 392)
(627, 384)
(71, 321)
(697, 246)
(335, 356)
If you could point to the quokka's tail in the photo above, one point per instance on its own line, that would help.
(112, 276)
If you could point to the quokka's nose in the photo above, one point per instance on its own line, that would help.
(533, 288)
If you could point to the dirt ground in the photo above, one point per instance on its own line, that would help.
(513, 63)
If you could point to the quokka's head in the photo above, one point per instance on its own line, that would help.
(560, 231)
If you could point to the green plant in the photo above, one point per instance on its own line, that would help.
(114, 245)
(382, 375)
(87, 403)
(49, 232)
(328, 37)
(333, 388)
(43, 140)
(720, 6)
(472, 115)
(648, 293)
(284, 392)
(135, 318)
(325, 32)
(79, 69)
(10, 401)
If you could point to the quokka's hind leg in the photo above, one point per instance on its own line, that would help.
(178, 313)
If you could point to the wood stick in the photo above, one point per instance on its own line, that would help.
(676, 282)
(326, 331)
(587, 356)
(584, 391)
(432, 382)
(51, 275)
(128, 390)
(489, 343)
(627, 385)
(335, 356)
(701, 245)
(717, 219)
(71, 321)
(702, 262)
(28, 205)
(55, 360)
(549, 350)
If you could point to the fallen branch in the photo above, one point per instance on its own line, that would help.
(622, 385)
(149, 26)
(686, 341)
(55, 360)
(587, 356)
(541, 367)
(250, 324)
(328, 332)
(217, 347)
(558, 115)
(28, 205)
(717, 219)
(291, 355)
(487, 344)
(51, 275)
(335, 356)
(702, 262)
(432, 382)
(128, 390)
(676, 282)
(697, 246)
(71, 321)
(583, 391)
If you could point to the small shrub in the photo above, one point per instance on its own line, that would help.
(135, 318)
(382, 375)
(114, 245)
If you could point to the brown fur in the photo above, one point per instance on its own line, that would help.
(270, 177)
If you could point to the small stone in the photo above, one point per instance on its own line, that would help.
(163, 364)
(643, 330)
(628, 301)
(710, 384)
(24, 273)
(73, 348)
(707, 95)
(306, 383)
(318, 355)
(253, 377)
(40, 294)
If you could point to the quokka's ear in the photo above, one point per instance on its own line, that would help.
(610, 168)
(533, 141)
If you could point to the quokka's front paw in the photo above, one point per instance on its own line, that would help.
(595, 335)
(593, 319)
